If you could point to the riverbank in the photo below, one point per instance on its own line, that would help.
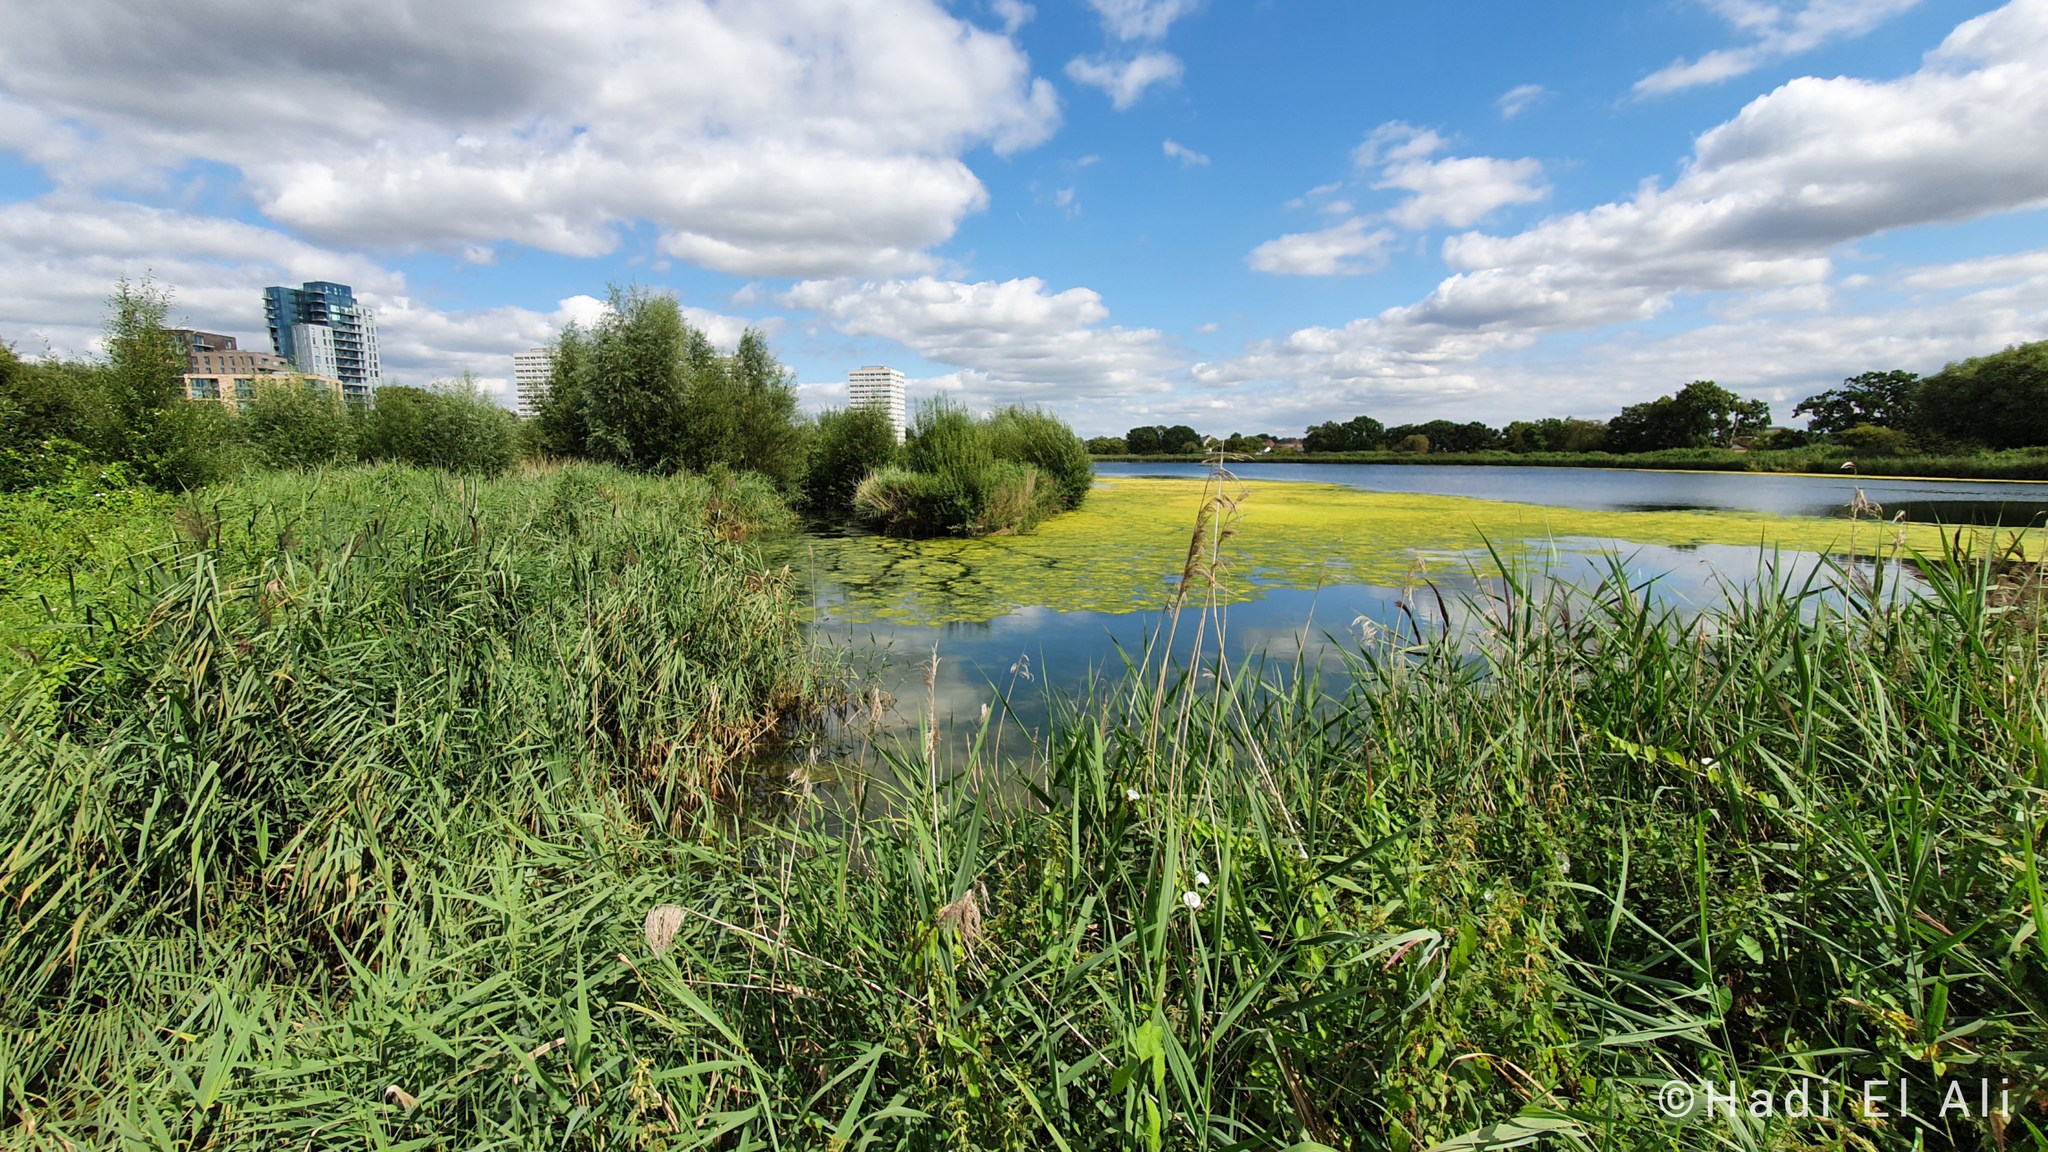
(2019, 465)
(387, 809)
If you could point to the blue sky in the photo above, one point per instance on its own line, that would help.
(1245, 216)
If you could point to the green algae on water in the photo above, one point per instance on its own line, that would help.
(1124, 550)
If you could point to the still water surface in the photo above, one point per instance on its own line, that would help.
(1011, 662)
(2011, 503)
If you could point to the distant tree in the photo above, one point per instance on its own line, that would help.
(2000, 400)
(1180, 440)
(1882, 399)
(1358, 434)
(1108, 446)
(1414, 443)
(1448, 436)
(1701, 415)
(1144, 440)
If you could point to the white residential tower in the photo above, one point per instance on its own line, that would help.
(878, 387)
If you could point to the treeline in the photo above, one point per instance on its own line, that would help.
(644, 389)
(127, 412)
(1994, 402)
(641, 389)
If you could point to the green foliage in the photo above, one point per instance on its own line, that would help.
(1415, 444)
(2000, 400)
(382, 820)
(1161, 440)
(292, 422)
(1107, 446)
(1700, 415)
(453, 425)
(1358, 434)
(1042, 440)
(1872, 440)
(1449, 436)
(966, 477)
(849, 444)
(171, 443)
(1554, 435)
(1882, 399)
(645, 390)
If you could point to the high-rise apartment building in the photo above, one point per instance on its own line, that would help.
(531, 373)
(878, 387)
(320, 328)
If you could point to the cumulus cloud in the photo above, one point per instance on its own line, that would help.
(773, 137)
(1125, 81)
(1013, 13)
(1520, 99)
(1345, 249)
(1455, 190)
(1761, 205)
(1012, 340)
(1140, 19)
(1777, 31)
(1188, 157)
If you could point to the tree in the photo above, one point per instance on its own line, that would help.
(645, 389)
(1143, 440)
(1447, 436)
(1179, 440)
(171, 443)
(1882, 399)
(1700, 415)
(1107, 446)
(1358, 434)
(2000, 400)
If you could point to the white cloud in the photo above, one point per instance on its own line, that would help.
(1460, 190)
(1013, 13)
(1762, 204)
(1188, 157)
(1011, 340)
(1778, 30)
(1345, 249)
(2021, 266)
(1140, 19)
(1520, 99)
(1125, 81)
(774, 137)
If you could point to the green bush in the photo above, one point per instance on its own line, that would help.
(1036, 437)
(452, 425)
(292, 422)
(849, 444)
(1871, 440)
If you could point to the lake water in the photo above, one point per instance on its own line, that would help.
(2011, 503)
(1011, 657)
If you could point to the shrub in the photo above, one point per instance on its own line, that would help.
(1416, 444)
(292, 422)
(1871, 440)
(1036, 437)
(452, 425)
(1108, 446)
(848, 445)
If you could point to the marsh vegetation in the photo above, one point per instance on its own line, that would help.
(390, 808)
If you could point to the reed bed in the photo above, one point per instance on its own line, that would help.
(400, 833)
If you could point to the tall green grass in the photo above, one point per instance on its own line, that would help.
(400, 873)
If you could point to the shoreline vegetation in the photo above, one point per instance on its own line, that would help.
(382, 807)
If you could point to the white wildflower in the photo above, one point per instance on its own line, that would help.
(1131, 794)
(1201, 879)
(1193, 900)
